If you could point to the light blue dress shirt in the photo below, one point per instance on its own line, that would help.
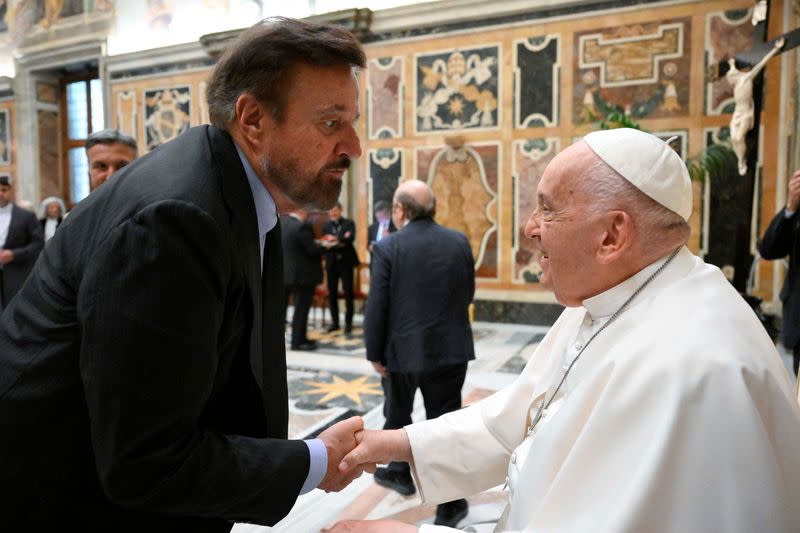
(267, 216)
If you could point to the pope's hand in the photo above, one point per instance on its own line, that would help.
(377, 447)
(371, 526)
(340, 439)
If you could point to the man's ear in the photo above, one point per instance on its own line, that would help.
(617, 237)
(252, 119)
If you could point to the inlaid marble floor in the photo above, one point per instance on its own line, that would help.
(337, 381)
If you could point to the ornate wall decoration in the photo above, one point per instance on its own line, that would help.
(127, 114)
(48, 125)
(386, 170)
(529, 159)
(641, 70)
(167, 114)
(464, 180)
(537, 70)
(5, 137)
(727, 34)
(385, 88)
(457, 89)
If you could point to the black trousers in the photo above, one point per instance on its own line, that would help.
(345, 273)
(303, 296)
(441, 391)
(796, 357)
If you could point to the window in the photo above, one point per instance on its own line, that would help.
(82, 113)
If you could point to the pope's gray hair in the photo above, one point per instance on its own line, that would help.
(659, 225)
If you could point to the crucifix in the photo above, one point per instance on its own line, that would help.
(748, 89)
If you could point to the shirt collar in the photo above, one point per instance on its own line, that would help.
(266, 212)
(7, 208)
(606, 303)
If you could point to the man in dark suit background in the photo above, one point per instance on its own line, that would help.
(417, 328)
(21, 240)
(782, 238)
(142, 366)
(340, 260)
(302, 272)
(382, 226)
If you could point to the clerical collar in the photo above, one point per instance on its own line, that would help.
(606, 303)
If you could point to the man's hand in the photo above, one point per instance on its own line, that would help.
(6, 256)
(380, 369)
(793, 201)
(371, 526)
(377, 447)
(340, 439)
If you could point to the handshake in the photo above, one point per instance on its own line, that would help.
(353, 450)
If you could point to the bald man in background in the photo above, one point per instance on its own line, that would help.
(417, 328)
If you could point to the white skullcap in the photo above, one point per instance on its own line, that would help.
(649, 163)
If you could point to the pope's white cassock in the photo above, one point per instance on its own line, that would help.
(679, 416)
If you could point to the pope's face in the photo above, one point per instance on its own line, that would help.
(561, 229)
(308, 152)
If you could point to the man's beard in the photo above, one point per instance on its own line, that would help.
(309, 192)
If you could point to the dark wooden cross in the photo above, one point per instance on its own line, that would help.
(730, 243)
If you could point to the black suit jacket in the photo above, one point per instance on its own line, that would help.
(417, 316)
(302, 256)
(145, 388)
(782, 238)
(372, 232)
(344, 254)
(25, 239)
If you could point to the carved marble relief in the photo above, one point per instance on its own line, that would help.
(167, 114)
(529, 159)
(457, 90)
(386, 168)
(5, 137)
(464, 180)
(641, 70)
(385, 88)
(727, 34)
(537, 70)
(127, 113)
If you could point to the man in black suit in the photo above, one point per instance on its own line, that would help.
(416, 327)
(302, 267)
(382, 226)
(142, 366)
(21, 240)
(782, 238)
(340, 260)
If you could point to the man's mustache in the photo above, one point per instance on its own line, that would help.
(342, 163)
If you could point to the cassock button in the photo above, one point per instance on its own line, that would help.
(514, 458)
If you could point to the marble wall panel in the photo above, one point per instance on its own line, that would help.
(202, 104)
(537, 68)
(641, 70)
(167, 114)
(385, 90)
(727, 33)
(529, 159)
(465, 182)
(127, 113)
(50, 181)
(386, 171)
(5, 137)
(457, 89)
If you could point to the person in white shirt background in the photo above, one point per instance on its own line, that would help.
(20, 243)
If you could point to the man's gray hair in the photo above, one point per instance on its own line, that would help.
(413, 209)
(611, 191)
(110, 136)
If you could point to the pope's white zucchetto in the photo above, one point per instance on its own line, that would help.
(649, 163)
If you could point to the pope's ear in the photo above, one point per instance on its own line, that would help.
(616, 238)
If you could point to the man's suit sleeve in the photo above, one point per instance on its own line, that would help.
(778, 239)
(34, 242)
(470, 262)
(150, 305)
(348, 227)
(305, 237)
(376, 316)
